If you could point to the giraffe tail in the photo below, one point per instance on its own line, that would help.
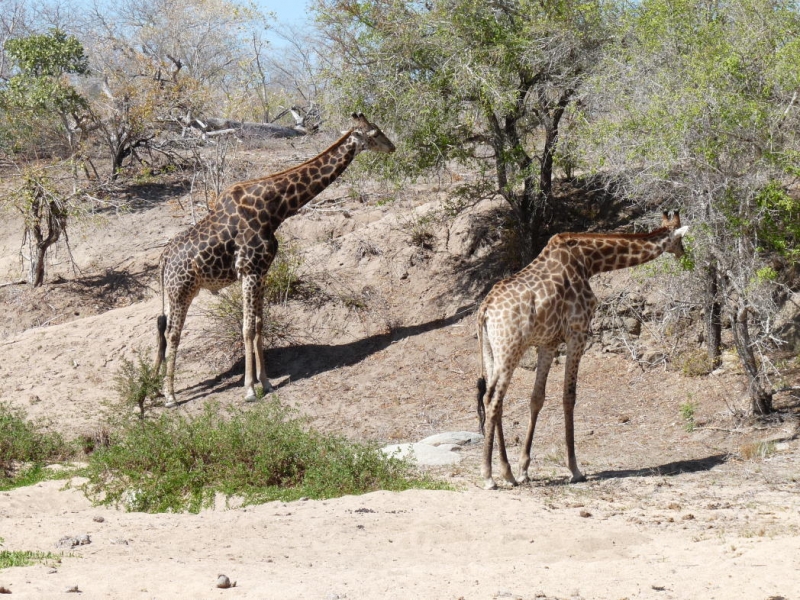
(481, 408)
(161, 325)
(482, 378)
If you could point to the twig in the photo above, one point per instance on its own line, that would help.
(8, 283)
(46, 323)
(718, 429)
(783, 389)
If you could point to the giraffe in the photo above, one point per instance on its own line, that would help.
(236, 240)
(545, 304)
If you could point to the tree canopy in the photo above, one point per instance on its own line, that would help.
(698, 107)
(465, 80)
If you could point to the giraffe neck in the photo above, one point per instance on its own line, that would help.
(319, 172)
(283, 194)
(602, 253)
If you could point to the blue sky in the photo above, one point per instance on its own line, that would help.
(290, 12)
(287, 11)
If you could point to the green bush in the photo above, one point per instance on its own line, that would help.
(136, 382)
(27, 445)
(263, 453)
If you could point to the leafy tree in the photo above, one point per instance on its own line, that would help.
(699, 108)
(468, 80)
(40, 94)
(39, 103)
(161, 64)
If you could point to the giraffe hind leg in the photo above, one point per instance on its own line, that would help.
(161, 352)
(543, 364)
(174, 327)
(496, 390)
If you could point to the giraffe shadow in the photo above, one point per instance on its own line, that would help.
(679, 467)
(670, 469)
(294, 363)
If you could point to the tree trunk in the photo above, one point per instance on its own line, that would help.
(37, 265)
(760, 398)
(43, 211)
(713, 315)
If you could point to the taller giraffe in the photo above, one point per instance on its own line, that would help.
(547, 303)
(236, 240)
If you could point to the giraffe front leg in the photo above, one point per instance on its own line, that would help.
(250, 287)
(543, 363)
(575, 348)
(258, 345)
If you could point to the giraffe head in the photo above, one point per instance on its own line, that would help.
(372, 138)
(672, 222)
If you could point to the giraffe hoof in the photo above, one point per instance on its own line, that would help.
(489, 484)
(251, 398)
(170, 404)
(579, 478)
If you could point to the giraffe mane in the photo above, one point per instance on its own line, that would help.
(612, 236)
(329, 149)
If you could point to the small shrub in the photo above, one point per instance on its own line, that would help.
(757, 450)
(227, 319)
(225, 312)
(694, 363)
(282, 278)
(420, 229)
(136, 382)
(27, 444)
(177, 462)
(688, 410)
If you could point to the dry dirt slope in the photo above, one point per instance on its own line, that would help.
(666, 513)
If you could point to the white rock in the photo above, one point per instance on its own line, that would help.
(460, 438)
(424, 454)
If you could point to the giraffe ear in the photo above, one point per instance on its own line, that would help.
(681, 231)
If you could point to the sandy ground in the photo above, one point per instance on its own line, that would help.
(666, 513)
(416, 544)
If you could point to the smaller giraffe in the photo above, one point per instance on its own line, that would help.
(236, 241)
(545, 304)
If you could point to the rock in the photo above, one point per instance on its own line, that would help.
(632, 326)
(461, 240)
(98, 519)
(424, 454)
(439, 449)
(224, 583)
(69, 541)
(460, 438)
